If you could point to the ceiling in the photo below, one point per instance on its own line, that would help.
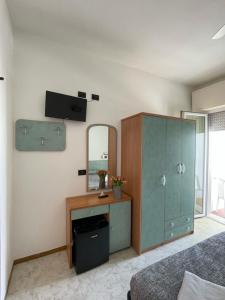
(168, 38)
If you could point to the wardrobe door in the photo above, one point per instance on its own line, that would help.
(188, 169)
(173, 169)
(153, 181)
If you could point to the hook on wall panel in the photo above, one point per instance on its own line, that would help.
(25, 130)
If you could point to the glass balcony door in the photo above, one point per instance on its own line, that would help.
(216, 206)
(200, 160)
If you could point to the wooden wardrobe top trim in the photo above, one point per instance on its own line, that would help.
(90, 200)
(157, 115)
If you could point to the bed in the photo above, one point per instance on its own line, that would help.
(162, 280)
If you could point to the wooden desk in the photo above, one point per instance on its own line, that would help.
(89, 205)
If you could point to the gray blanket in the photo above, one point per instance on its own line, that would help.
(162, 280)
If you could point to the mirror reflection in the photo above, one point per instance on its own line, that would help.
(101, 156)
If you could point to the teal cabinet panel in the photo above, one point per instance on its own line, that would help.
(120, 226)
(153, 187)
(188, 172)
(89, 212)
(40, 136)
(173, 176)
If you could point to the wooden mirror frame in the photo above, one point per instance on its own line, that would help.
(112, 147)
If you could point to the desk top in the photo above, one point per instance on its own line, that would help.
(90, 200)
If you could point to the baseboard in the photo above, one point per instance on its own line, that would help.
(30, 257)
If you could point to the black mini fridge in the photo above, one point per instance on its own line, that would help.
(90, 243)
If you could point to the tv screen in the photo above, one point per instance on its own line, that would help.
(65, 107)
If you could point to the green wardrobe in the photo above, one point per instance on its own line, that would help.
(158, 161)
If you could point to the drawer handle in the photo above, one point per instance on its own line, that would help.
(171, 234)
(172, 224)
(188, 228)
(188, 219)
(94, 236)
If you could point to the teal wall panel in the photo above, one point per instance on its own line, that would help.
(153, 192)
(120, 226)
(40, 136)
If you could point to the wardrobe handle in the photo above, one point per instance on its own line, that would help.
(163, 180)
(183, 168)
(179, 168)
(172, 224)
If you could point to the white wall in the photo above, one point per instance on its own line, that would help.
(6, 125)
(43, 180)
(209, 98)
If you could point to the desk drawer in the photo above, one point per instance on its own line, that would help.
(89, 212)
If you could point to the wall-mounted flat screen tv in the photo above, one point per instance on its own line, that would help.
(65, 107)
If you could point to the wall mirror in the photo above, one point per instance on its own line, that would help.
(101, 156)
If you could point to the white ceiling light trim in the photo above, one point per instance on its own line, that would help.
(219, 34)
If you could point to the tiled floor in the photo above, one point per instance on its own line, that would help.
(50, 278)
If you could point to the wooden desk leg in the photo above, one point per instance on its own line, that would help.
(69, 237)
